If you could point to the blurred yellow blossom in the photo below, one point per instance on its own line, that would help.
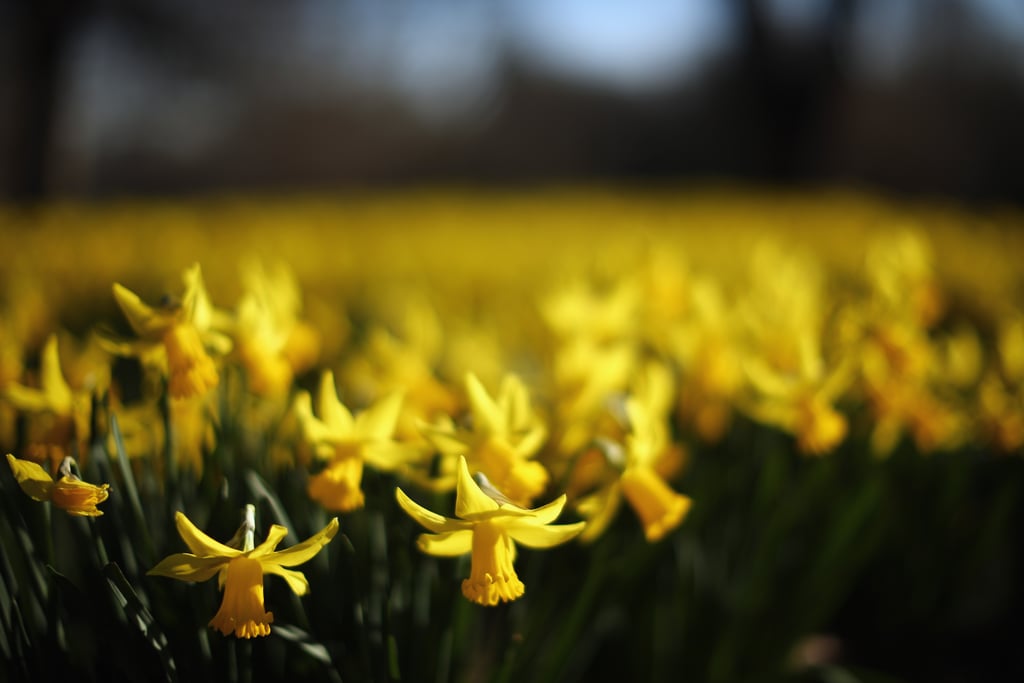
(272, 342)
(637, 477)
(346, 443)
(175, 336)
(503, 435)
(66, 413)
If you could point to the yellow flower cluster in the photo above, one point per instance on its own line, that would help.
(586, 377)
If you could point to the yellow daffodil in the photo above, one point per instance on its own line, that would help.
(488, 526)
(704, 346)
(272, 343)
(347, 443)
(388, 364)
(640, 480)
(802, 402)
(900, 271)
(69, 493)
(240, 571)
(175, 336)
(65, 413)
(577, 310)
(1001, 413)
(504, 434)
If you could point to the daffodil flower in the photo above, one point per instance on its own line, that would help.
(273, 344)
(505, 434)
(69, 493)
(240, 571)
(802, 402)
(175, 336)
(387, 364)
(659, 508)
(488, 526)
(347, 443)
(69, 411)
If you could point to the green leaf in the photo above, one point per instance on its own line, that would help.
(141, 617)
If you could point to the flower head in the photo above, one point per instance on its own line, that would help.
(240, 572)
(68, 493)
(347, 442)
(176, 335)
(640, 479)
(488, 526)
(63, 413)
(505, 434)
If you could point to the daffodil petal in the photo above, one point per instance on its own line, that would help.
(188, 567)
(446, 544)
(57, 391)
(469, 499)
(302, 552)
(198, 542)
(531, 442)
(443, 437)
(274, 537)
(487, 417)
(599, 509)
(546, 514)
(316, 432)
(145, 320)
(26, 399)
(296, 580)
(378, 421)
(32, 478)
(386, 456)
(429, 520)
(333, 413)
(534, 535)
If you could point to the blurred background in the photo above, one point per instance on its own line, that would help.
(157, 97)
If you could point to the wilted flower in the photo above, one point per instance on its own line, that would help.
(69, 493)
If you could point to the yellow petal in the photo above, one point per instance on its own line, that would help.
(469, 499)
(530, 442)
(315, 431)
(378, 421)
(195, 301)
(301, 552)
(58, 393)
(387, 456)
(199, 543)
(274, 536)
(430, 520)
(533, 535)
(77, 497)
(296, 580)
(514, 402)
(546, 514)
(446, 544)
(333, 413)
(188, 567)
(443, 436)
(487, 417)
(144, 319)
(27, 399)
(32, 478)
(599, 509)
